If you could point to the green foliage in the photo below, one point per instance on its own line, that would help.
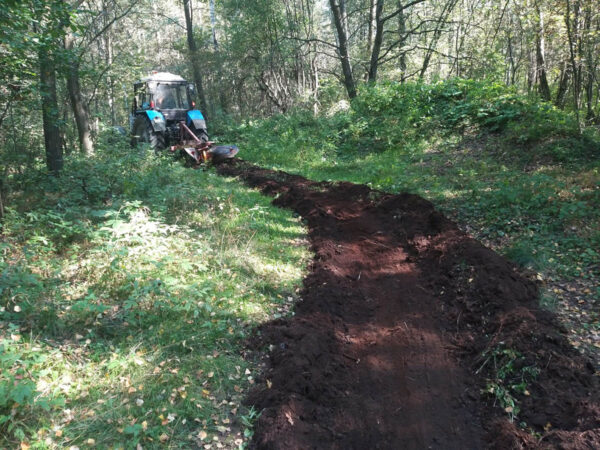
(511, 376)
(513, 169)
(127, 287)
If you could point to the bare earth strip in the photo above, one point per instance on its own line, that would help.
(403, 323)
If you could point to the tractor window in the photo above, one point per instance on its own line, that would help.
(171, 96)
(142, 100)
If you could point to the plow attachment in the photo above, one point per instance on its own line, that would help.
(197, 151)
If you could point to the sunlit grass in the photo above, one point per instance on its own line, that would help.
(128, 326)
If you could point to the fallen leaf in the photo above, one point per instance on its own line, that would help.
(202, 435)
(288, 416)
(163, 438)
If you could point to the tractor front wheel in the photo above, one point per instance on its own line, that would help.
(144, 133)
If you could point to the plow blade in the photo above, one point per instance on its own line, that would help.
(208, 153)
(197, 151)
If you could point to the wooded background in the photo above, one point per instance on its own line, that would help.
(68, 66)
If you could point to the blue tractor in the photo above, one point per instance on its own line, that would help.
(164, 116)
(161, 102)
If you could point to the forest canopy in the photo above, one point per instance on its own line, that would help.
(68, 66)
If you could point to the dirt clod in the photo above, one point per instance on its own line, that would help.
(412, 335)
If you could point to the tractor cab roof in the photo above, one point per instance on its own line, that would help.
(164, 77)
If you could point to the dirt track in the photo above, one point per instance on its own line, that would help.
(404, 320)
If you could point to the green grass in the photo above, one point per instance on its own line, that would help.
(513, 171)
(127, 288)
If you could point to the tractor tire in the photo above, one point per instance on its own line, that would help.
(144, 133)
(200, 133)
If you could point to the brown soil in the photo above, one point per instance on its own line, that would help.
(404, 327)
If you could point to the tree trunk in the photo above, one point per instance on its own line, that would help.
(541, 57)
(339, 19)
(439, 28)
(1, 202)
(572, 33)
(80, 110)
(213, 24)
(402, 39)
(372, 26)
(315, 81)
(54, 159)
(108, 57)
(193, 54)
(590, 63)
(563, 86)
(377, 42)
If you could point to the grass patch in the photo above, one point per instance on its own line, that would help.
(127, 289)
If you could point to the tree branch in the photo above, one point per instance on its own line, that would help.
(313, 40)
(399, 10)
(107, 26)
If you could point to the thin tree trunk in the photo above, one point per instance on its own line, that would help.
(589, 89)
(80, 110)
(510, 68)
(402, 38)
(193, 54)
(572, 31)
(213, 24)
(377, 42)
(108, 52)
(372, 26)
(439, 28)
(54, 160)
(541, 57)
(339, 19)
(563, 86)
(1, 202)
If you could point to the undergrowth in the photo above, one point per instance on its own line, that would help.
(513, 171)
(127, 287)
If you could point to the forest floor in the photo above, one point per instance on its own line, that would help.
(411, 334)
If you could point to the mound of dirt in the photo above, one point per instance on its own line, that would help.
(412, 335)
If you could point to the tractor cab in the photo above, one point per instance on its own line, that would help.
(161, 102)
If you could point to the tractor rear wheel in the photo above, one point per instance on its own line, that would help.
(200, 133)
(144, 133)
